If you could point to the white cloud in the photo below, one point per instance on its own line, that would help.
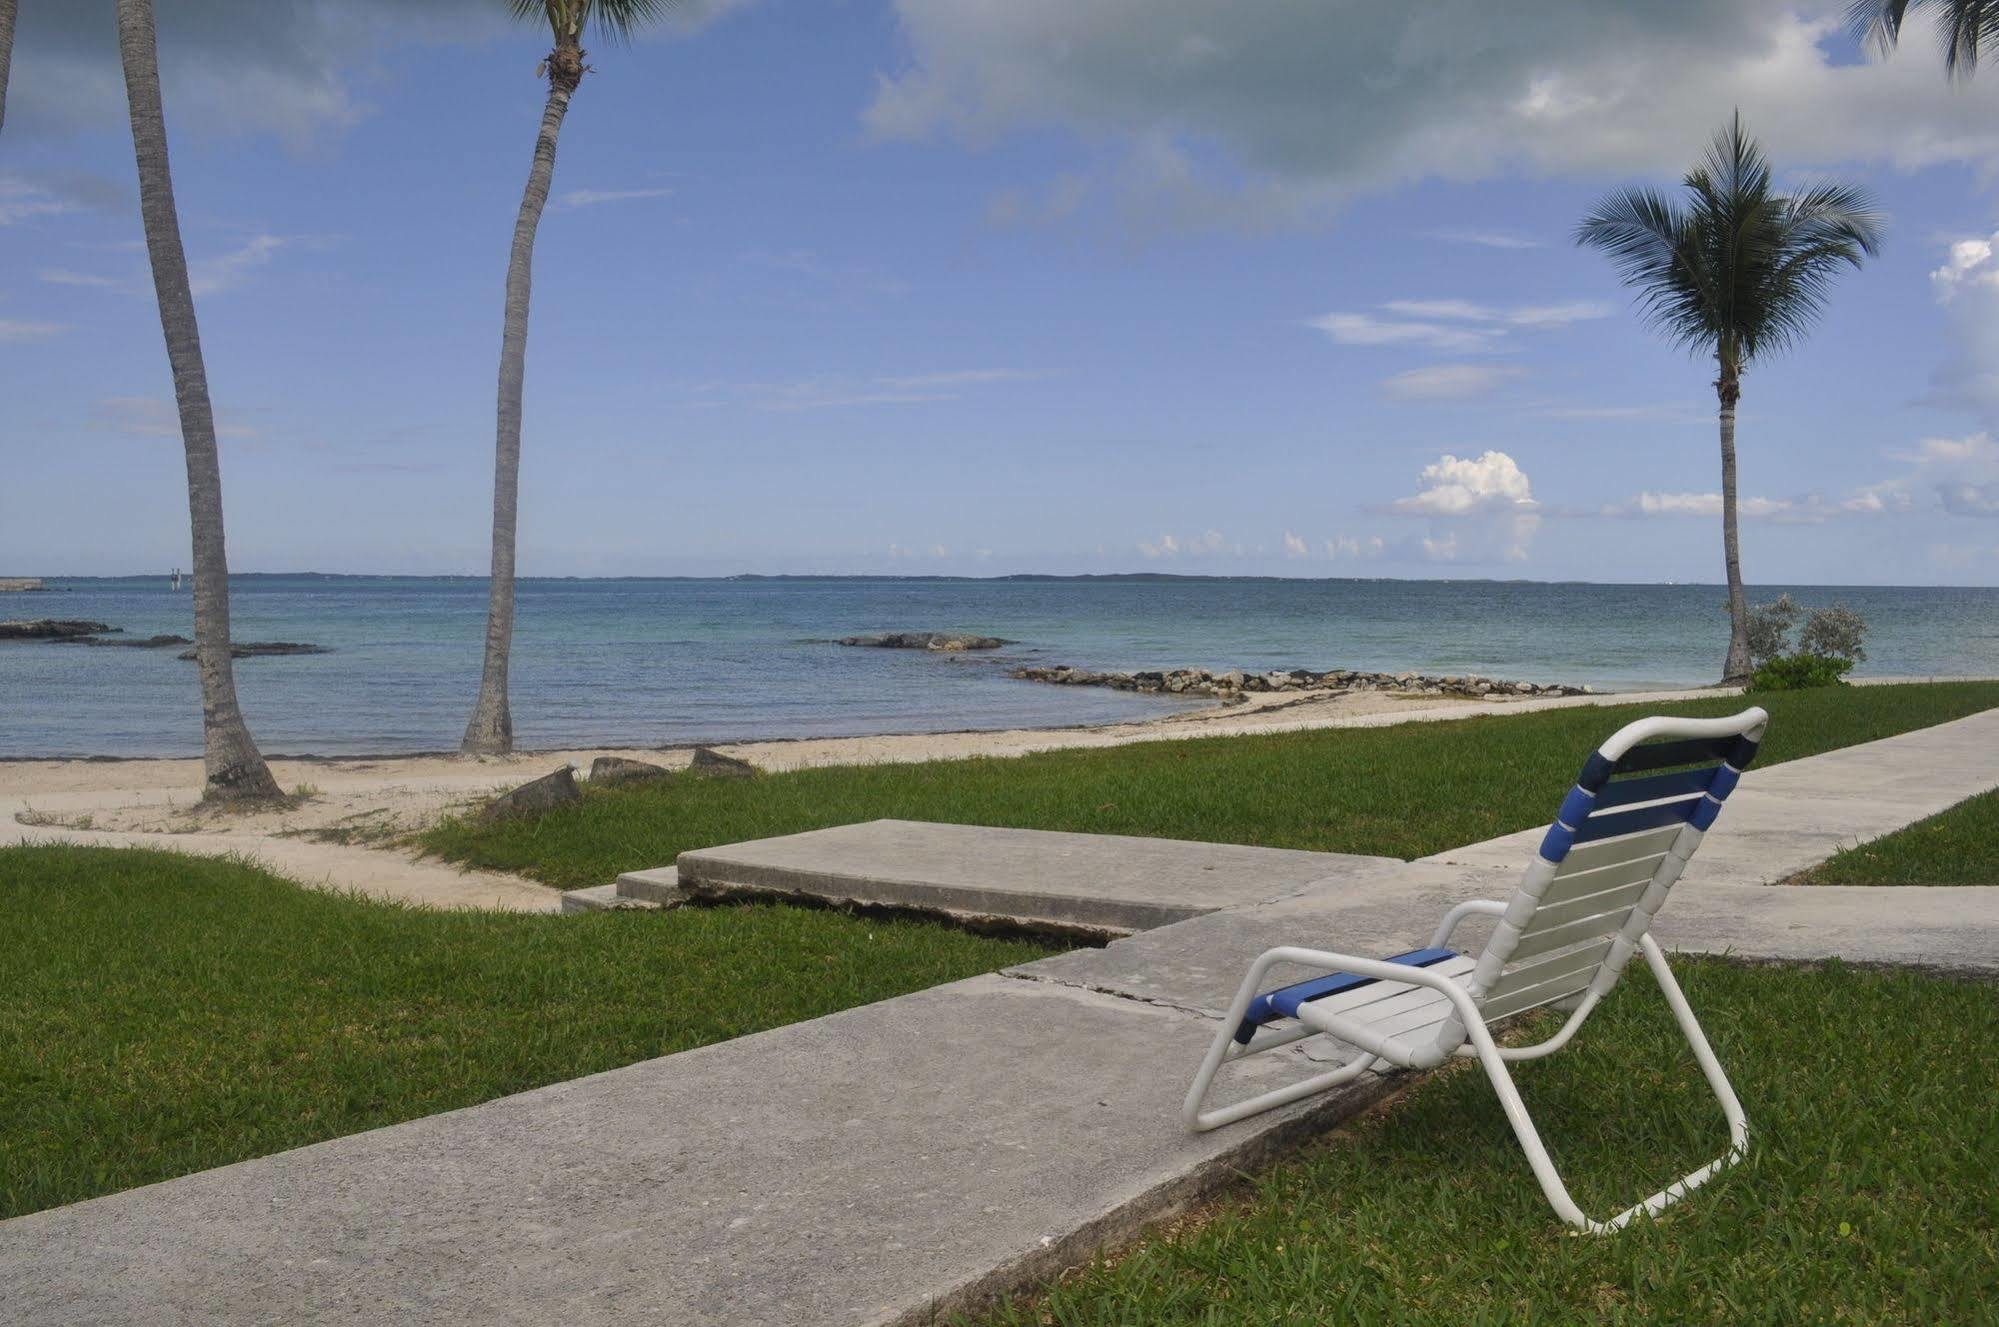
(225, 271)
(1453, 91)
(1348, 548)
(1482, 509)
(1462, 487)
(17, 330)
(958, 378)
(1970, 499)
(1487, 239)
(1362, 329)
(152, 417)
(62, 276)
(592, 197)
(1968, 286)
(1207, 544)
(1962, 473)
(1444, 382)
(1810, 509)
(1294, 547)
(1451, 324)
(278, 66)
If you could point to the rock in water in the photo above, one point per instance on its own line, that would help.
(51, 628)
(927, 640)
(714, 765)
(545, 794)
(257, 649)
(146, 643)
(612, 770)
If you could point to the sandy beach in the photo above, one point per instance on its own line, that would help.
(350, 815)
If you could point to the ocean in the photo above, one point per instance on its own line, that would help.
(656, 662)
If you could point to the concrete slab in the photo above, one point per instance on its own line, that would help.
(1195, 965)
(1100, 883)
(877, 1166)
(1786, 818)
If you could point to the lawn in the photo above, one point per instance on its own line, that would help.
(1867, 1197)
(1959, 846)
(162, 1014)
(1405, 791)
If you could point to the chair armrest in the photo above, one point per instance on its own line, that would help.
(1477, 907)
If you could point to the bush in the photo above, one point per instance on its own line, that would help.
(1830, 633)
(1834, 633)
(1796, 672)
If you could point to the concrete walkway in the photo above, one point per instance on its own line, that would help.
(909, 1157)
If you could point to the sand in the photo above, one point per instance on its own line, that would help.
(345, 826)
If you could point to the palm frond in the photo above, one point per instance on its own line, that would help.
(1736, 268)
(613, 20)
(1963, 26)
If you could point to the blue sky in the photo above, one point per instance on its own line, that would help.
(941, 286)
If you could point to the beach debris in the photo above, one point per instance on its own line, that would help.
(608, 771)
(951, 641)
(52, 628)
(711, 764)
(257, 649)
(1235, 683)
(545, 794)
(137, 643)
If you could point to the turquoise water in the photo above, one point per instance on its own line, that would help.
(655, 662)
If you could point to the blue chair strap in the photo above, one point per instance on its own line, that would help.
(1285, 1001)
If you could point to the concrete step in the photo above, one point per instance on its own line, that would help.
(600, 898)
(658, 888)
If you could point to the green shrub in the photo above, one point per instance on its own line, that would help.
(1796, 672)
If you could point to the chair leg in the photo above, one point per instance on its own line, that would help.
(1543, 1166)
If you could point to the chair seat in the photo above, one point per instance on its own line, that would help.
(1341, 991)
(1393, 1010)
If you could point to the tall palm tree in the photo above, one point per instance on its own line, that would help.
(235, 768)
(491, 729)
(1962, 24)
(1738, 271)
(6, 52)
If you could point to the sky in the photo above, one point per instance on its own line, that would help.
(968, 288)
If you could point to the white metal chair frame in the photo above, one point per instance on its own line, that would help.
(1459, 998)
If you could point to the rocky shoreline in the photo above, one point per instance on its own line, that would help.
(1236, 684)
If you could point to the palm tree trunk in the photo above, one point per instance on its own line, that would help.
(1736, 668)
(235, 768)
(7, 8)
(491, 729)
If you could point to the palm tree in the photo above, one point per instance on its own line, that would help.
(1962, 24)
(235, 768)
(1737, 271)
(6, 52)
(491, 729)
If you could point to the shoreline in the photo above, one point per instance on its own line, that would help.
(350, 828)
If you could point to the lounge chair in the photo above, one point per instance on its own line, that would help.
(1583, 908)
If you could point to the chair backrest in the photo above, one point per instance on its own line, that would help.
(1624, 834)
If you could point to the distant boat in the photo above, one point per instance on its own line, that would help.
(176, 584)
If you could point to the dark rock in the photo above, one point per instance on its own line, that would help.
(926, 640)
(714, 765)
(51, 628)
(537, 798)
(612, 770)
(146, 643)
(257, 649)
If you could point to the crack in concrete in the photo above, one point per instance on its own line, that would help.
(1015, 974)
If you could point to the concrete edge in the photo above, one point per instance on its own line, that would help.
(706, 875)
(1122, 1223)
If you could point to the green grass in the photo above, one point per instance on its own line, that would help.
(1405, 791)
(1868, 1196)
(162, 1014)
(1959, 846)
